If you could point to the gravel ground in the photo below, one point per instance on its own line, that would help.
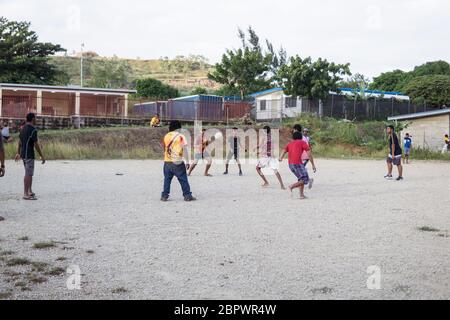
(239, 241)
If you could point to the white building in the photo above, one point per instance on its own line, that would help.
(274, 104)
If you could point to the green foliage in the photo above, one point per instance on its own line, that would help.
(250, 68)
(422, 84)
(152, 88)
(390, 81)
(357, 81)
(434, 89)
(23, 59)
(305, 78)
(199, 90)
(111, 73)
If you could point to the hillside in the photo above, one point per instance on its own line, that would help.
(139, 69)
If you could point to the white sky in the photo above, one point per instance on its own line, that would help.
(374, 36)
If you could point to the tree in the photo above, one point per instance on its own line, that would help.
(432, 68)
(357, 81)
(199, 90)
(305, 78)
(434, 90)
(391, 81)
(152, 88)
(250, 68)
(110, 73)
(398, 80)
(23, 59)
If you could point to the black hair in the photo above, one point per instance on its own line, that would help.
(174, 125)
(235, 128)
(267, 129)
(30, 117)
(298, 127)
(391, 126)
(297, 135)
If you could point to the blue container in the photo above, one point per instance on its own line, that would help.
(198, 107)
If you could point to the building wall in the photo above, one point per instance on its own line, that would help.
(276, 106)
(428, 133)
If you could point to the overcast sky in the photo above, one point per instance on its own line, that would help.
(374, 36)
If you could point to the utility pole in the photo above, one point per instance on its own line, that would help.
(81, 66)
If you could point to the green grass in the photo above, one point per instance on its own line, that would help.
(428, 229)
(44, 245)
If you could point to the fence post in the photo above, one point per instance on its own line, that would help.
(320, 108)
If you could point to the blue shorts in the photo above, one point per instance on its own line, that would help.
(407, 151)
(299, 170)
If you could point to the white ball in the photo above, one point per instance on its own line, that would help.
(218, 136)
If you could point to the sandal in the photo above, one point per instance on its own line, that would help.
(30, 198)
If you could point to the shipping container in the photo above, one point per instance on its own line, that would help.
(150, 109)
(198, 107)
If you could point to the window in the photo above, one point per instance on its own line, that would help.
(263, 105)
(291, 102)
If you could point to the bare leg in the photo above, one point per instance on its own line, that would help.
(208, 166)
(266, 183)
(400, 170)
(389, 165)
(192, 167)
(226, 167)
(280, 180)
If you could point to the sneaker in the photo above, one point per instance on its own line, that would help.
(388, 177)
(189, 199)
(241, 174)
(399, 179)
(225, 173)
(310, 184)
(164, 199)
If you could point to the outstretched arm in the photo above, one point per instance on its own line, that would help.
(311, 158)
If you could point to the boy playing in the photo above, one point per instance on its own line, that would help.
(295, 150)
(234, 143)
(175, 146)
(200, 144)
(266, 160)
(407, 144)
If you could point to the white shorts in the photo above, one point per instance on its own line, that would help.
(268, 163)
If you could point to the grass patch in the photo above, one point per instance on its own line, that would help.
(18, 262)
(36, 279)
(44, 245)
(90, 251)
(61, 259)
(24, 239)
(119, 291)
(428, 229)
(5, 295)
(39, 266)
(6, 253)
(55, 272)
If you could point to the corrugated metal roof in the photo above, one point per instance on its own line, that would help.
(420, 115)
(392, 93)
(268, 91)
(16, 86)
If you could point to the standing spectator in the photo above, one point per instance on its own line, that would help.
(395, 154)
(407, 144)
(28, 141)
(446, 147)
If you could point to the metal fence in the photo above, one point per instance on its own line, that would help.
(189, 111)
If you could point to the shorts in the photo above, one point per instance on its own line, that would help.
(201, 156)
(407, 151)
(300, 172)
(269, 163)
(29, 167)
(233, 155)
(396, 161)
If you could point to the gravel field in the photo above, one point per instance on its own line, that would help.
(239, 241)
